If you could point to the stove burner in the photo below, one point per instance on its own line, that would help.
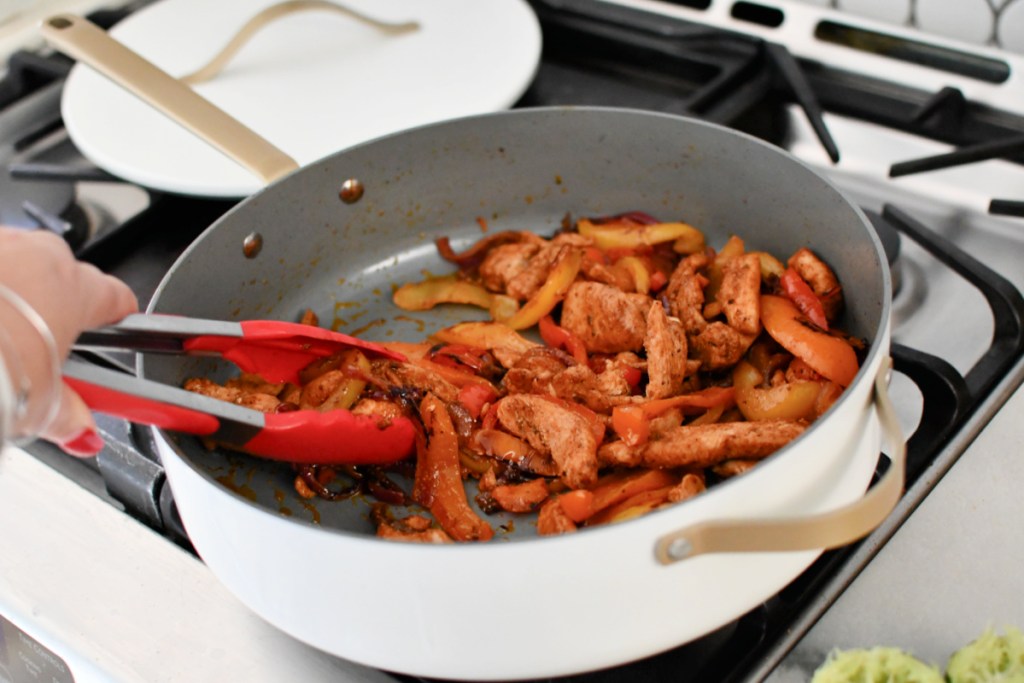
(28, 203)
(890, 238)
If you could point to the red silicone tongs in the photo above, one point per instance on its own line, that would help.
(276, 351)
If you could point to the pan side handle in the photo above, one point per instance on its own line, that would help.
(89, 44)
(825, 530)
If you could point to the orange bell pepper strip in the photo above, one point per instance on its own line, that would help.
(631, 421)
(831, 357)
(629, 234)
(563, 273)
(634, 506)
(558, 337)
(578, 505)
(632, 424)
(585, 505)
(801, 294)
(438, 481)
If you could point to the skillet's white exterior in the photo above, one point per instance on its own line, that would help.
(524, 609)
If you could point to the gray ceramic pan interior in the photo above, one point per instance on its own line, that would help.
(520, 170)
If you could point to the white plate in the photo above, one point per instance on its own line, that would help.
(311, 83)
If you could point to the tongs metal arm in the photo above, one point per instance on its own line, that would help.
(155, 333)
(274, 349)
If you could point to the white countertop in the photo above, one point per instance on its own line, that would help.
(953, 569)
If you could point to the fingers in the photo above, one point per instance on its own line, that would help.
(73, 429)
(111, 298)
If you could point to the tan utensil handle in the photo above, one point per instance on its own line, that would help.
(281, 9)
(89, 44)
(815, 532)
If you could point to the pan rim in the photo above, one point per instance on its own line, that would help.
(878, 345)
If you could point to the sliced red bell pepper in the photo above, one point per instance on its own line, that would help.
(474, 397)
(801, 294)
(558, 337)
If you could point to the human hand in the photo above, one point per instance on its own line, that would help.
(69, 296)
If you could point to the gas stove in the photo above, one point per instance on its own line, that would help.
(923, 133)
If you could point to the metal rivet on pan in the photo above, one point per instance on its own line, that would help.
(679, 549)
(252, 244)
(351, 191)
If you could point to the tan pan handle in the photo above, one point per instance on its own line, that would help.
(89, 44)
(815, 532)
(251, 27)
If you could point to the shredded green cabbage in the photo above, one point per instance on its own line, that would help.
(991, 658)
(877, 665)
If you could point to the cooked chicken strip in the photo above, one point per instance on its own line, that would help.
(740, 293)
(534, 370)
(705, 445)
(406, 374)
(550, 428)
(580, 385)
(604, 318)
(528, 280)
(685, 293)
(504, 262)
(666, 347)
(720, 346)
(716, 344)
(265, 403)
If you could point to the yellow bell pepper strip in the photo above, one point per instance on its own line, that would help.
(716, 269)
(831, 357)
(638, 271)
(558, 337)
(447, 289)
(790, 401)
(486, 335)
(344, 397)
(563, 273)
(438, 481)
(801, 294)
(630, 235)
(770, 266)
